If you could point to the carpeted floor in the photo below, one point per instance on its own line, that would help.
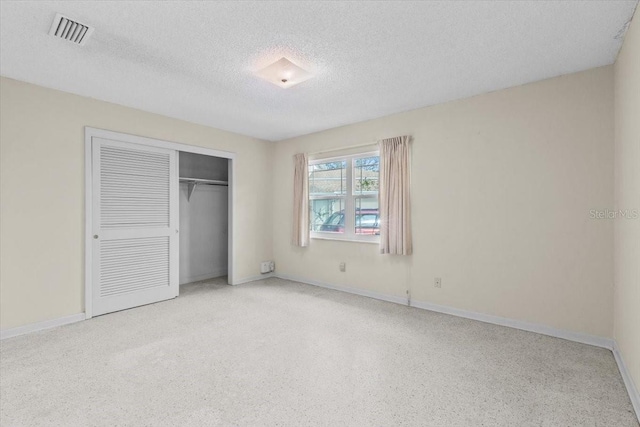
(280, 353)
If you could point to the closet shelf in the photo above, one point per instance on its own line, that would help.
(194, 182)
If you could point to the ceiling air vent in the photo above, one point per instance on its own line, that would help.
(70, 30)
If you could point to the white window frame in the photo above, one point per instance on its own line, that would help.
(349, 234)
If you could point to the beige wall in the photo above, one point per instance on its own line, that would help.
(503, 185)
(627, 197)
(42, 191)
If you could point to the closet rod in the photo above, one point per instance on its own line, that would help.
(194, 182)
(204, 181)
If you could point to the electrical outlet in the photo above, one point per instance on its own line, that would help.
(437, 283)
(265, 267)
(343, 266)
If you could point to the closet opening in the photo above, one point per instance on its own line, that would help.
(203, 218)
(158, 214)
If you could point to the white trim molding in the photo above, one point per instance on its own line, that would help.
(253, 279)
(487, 318)
(41, 326)
(628, 380)
(518, 324)
(154, 142)
(348, 289)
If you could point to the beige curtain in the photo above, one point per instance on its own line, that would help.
(300, 201)
(395, 203)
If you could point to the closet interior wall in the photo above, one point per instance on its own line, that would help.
(203, 218)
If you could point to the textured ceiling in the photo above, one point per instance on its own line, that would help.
(194, 60)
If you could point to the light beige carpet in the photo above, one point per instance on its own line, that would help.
(279, 353)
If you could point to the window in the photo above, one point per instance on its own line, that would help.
(343, 197)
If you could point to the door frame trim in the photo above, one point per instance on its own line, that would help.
(89, 134)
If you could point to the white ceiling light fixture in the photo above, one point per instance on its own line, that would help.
(284, 73)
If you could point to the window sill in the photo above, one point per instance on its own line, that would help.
(344, 239)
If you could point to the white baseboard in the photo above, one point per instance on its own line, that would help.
(628, 381)
(487, 318)
(356, 291)
(53, 323)
(40, 326)
(212, 275)
(518, 324)
(253, 278)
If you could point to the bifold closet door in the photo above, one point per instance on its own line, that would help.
(135, 225)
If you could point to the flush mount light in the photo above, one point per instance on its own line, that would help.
(284, 73)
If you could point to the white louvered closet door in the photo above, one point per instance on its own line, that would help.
(135, 241)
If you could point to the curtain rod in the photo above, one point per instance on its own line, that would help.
(348, 147)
